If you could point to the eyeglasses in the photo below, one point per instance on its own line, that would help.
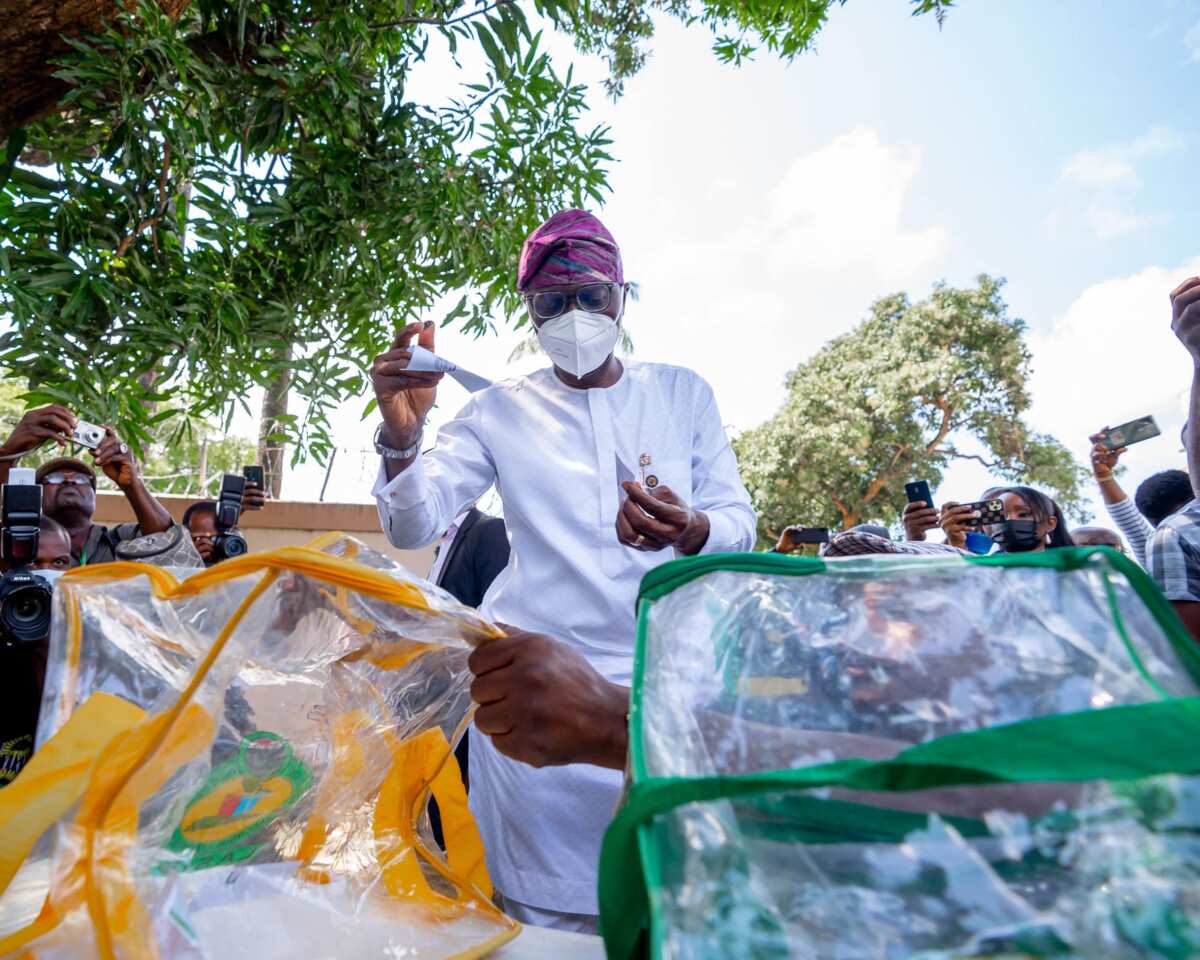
(592, 298)
(78, 479)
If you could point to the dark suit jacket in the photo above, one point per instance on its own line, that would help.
(477, 555)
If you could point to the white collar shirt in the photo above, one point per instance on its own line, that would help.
(557, 456)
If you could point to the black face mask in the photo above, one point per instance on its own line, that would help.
(1017, 536)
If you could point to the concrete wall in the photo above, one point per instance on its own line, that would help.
(286, 523)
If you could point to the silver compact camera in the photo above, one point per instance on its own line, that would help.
(88, 434)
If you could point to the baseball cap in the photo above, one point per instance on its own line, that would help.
(66, 463)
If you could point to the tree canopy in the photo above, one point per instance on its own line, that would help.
(240, 193)
(893, 400)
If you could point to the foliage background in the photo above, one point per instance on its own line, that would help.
(247, 195)
(912, 388)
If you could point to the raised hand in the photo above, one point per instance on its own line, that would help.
(405, 397)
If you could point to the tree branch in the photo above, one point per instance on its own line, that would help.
(438, 21)
(152, 221)
(944, 429)
(991, 465)
(845, 512)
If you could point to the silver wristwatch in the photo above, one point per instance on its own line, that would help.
(390, 454)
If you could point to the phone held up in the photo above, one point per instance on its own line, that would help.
(990, 511)
(810, 535)
(918, 492)
(1135, 431)
(254, 475)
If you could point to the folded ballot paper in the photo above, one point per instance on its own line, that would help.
(426, 361)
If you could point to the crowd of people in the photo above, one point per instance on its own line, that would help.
(605, 468)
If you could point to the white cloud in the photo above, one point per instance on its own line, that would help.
(1116, 163)
(1111, 357)
(1105, 180)
(1112, 220)
(1191, 40)
(841, 205)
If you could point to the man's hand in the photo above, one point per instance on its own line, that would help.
(785, 543)
(918, 517)
(116, 459)
(542, 703)
(655, 521)
(954, 522)
(1104, 460)
(54, 422)
(405, 398)
(253, 497)
(1185, 316)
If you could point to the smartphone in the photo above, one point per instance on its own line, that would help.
(918, 492)
(254, 475)
(990, 511)
(1135, 431)
(810, 535)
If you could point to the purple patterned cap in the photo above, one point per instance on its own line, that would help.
(571, 247)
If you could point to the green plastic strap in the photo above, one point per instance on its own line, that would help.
(1118, 743)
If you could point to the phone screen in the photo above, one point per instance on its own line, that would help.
(254, 475)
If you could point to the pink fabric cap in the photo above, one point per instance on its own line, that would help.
(573, 246)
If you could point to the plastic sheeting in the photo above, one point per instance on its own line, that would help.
(896, 758)
(238, 765)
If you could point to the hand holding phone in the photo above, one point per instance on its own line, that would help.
(957, 519)
(801, 535)
(919, 515)
(1135, 431)
(255, 495)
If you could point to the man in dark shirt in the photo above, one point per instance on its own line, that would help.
(69, 484)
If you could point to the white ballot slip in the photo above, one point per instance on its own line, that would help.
(426, 361)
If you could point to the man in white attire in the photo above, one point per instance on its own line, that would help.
(606, 470)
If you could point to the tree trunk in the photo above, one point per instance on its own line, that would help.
(270, 452)
(31, 36)
(203, 470)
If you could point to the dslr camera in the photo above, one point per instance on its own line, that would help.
(228, 543)
(25, 597)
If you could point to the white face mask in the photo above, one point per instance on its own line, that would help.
(579, 342)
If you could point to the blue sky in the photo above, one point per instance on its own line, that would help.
(763, 208)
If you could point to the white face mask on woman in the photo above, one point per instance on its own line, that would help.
(579, 342)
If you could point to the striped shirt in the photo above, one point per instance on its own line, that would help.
(1135, 528)
(1175, 554)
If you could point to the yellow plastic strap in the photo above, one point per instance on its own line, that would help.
(128, 922)
(56, 775)
(419, 762)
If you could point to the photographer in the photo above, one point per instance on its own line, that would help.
(212, 524)
(30, 542)
(69, 484)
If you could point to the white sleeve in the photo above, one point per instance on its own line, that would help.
(417, 506)
(717, 488)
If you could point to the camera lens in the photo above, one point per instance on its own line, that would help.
(25, 611)
(26, 608)
(235, 545)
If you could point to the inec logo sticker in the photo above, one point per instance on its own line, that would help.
(225, 821)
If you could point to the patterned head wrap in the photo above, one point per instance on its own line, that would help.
(571, 247)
